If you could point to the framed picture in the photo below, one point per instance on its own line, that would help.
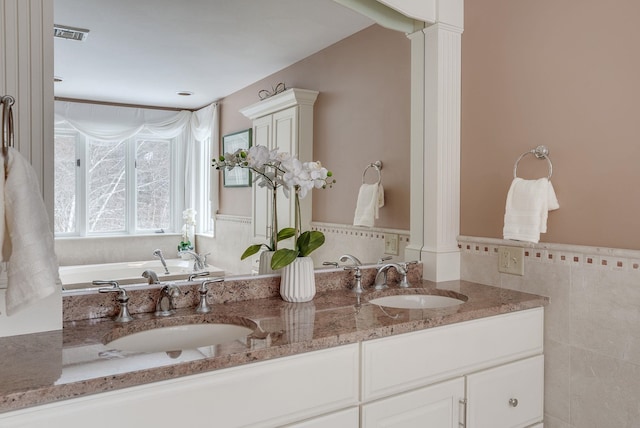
(237, 177)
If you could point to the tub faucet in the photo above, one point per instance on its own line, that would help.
(381, 277)
(199, 261)
(151, 277)
(158, 253)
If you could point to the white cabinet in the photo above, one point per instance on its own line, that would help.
(508, 396)
(485, 373)
(348, 418)
(265, 394)
(434, 406)
(498, 358)
(284, 121)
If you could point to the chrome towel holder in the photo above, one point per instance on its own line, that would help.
(540, 152)
(7, 127)
(377, 165)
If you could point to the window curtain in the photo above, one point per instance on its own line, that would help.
(201, 185)
(197, 130)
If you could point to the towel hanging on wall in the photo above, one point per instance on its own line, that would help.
(527, 208)
(32, 268)
(370, 198)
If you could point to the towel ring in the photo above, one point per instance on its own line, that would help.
(540, 152)
(377, 165)
(7, 128)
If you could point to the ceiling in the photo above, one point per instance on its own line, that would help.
(145, 51)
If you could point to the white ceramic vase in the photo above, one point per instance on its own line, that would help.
(298, 281)
(264, 265)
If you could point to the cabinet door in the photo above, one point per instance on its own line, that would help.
(507, 396)
(285, 139)
(433, 406)
(261, 197)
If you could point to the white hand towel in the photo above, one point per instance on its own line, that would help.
(32, 271)
(527, 208)
(370, 200)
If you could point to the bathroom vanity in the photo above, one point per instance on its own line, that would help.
(337, 362)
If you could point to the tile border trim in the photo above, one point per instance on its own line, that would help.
(574, 255)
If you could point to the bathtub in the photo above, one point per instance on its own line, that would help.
(81, 276)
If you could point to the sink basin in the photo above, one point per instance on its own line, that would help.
(179, 337)
(416, 301)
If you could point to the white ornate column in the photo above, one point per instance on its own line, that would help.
(435, 124)
(435, 146)
(441, 185)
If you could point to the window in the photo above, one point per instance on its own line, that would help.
(113, 188)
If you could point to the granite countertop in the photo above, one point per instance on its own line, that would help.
(46, 367)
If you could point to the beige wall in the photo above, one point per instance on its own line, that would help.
(361, 115)
(563, 74)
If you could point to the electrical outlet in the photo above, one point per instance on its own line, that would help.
(511, 260)
(391, 243)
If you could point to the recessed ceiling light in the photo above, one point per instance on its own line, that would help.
(57, 79)
(185, 93)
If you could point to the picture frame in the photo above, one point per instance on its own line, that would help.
(236, 177)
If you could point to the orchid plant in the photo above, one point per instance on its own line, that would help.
(189, 217)
(272, 170)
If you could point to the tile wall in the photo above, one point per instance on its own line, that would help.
(592, 326)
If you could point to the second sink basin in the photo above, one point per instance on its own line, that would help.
(179, 337)
(416, 301)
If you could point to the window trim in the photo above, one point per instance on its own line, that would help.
(176, 192)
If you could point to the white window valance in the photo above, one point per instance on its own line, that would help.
(116, 123)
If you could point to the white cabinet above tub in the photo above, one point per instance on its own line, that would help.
(484, 373)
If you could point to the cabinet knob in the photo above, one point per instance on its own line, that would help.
(513, 402)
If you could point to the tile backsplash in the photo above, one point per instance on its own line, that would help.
(592, 325)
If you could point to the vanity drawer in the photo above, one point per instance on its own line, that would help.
(508, 396)
(412, 360)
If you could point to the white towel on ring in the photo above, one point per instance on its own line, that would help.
(527, 208)
(32, 271)
(370, 200)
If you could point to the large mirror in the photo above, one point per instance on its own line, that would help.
(315, 25)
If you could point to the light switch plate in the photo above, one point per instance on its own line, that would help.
(391, 243)
(511, 260)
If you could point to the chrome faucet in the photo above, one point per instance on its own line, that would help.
(151, 277)
(353, 259)
(123, 314)
(158, 253)
(199, 262)
(165, 305)
(381, 277)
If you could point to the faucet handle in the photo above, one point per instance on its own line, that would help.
(199, 274)
(384, 259)
(115, 288)
(334, 264)
(357, 287)
(123, 299)
(407, 264)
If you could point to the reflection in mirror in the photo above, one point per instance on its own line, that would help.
(239, 71)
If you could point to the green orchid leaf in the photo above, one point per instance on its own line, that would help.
(283, 257)
(250, 251)
(286, 233)
(310, 241)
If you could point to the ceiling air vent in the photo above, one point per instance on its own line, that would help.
(70, 33)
